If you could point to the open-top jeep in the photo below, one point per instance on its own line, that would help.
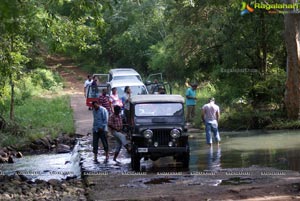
(157, 129)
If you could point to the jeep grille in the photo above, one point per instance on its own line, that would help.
(162, 136)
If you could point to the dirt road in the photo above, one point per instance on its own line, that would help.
(117, 182)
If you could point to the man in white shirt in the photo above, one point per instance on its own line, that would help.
(210, 116)
(87, 83)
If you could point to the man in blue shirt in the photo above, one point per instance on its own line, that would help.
(191, 102)
(100, 115)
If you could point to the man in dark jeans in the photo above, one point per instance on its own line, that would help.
(100, 115)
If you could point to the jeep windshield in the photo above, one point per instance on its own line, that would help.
(159, 109)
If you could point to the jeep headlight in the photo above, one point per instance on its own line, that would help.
(148, 133)
(175, 133)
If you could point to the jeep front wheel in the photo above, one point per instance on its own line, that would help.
(135, 160)
(186, 160)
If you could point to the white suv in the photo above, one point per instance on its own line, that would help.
(137, 87)
(123, 73)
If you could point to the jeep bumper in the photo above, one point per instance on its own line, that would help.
(164, 150)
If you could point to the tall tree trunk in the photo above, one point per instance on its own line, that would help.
(12, 96)
(263, 44)
(12, 99)
(292, 90)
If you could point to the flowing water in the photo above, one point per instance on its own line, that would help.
(277, 149)
(45, 166)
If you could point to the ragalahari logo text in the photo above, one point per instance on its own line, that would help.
(246, 9)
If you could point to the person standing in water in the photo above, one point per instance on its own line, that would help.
(210, 116)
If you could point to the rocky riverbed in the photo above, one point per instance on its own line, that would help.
(18, 187)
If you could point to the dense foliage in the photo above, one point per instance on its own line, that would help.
(241, 57)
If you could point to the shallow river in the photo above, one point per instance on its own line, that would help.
(278, 149)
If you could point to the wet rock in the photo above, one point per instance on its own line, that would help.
(3, 160)
(10, 160)
(22, 177)
(3, 178)
(45, 142)
(15, 177)
(63, 186)
(19, 155)
(33, 190)
(6, 196)
(71, 177)
(39, 181)
(33, 146)
(63, 148)
(16, 182)
(50, 140)
(5, 150)
(25, 188)
(3, 153)
(54, 182)
(11, 148)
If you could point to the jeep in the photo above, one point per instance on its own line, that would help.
(157, 129)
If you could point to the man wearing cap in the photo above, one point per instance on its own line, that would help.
(191, 102)
(210, 116)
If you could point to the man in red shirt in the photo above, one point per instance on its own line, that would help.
(116, 125)
(104, 100)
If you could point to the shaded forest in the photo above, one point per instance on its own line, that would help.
(238, 59)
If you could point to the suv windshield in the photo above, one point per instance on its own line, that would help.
(135, 90)
(159, 109)
(126, 77)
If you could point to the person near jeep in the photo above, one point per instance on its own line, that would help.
(116, 125)
(114, 99)
(126, 103)
(86, 84)
(191, 102)
(104, 100)
(100, 116)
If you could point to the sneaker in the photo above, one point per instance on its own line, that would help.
(95, 158)
(118, 162)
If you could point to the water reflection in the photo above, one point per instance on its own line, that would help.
(245, 149)
(213, 158)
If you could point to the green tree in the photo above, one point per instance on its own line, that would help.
(292, 91)
(18, 30)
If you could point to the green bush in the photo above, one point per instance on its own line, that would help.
(38, 117)
(46, 79)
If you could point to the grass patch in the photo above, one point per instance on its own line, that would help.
(39, 117)
(284, 124)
